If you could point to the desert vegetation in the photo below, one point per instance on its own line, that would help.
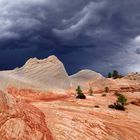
(80, 94)
(115, 74)
(120, 103)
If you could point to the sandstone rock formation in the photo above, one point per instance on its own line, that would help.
(115, 84)
(48, 74)
(133, 76)
(84, 77)
(37, 102)
(21, 121)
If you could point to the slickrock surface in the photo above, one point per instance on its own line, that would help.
(133, 76)
(21, 121)
(115, 84)
(73, 119)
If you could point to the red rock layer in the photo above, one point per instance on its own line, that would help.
(34, 95)
(21, 121)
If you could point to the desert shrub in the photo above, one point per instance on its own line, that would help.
(119, 104)
(80, 94)
(109, 75)
(78, 90)
(122, 99)
(106, 89)
(115, 74)
(103, 95)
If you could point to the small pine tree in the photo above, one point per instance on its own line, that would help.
(115, 74)
(109, 75)
(90, 91)
(79, 91)
(80, 94)
(122, 99)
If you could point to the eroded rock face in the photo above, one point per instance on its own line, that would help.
(84, 77)
(32, 95)
(48, 74)
(21, 121)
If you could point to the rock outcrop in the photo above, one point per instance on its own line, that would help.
(133, 76)
(48, 74)
(21, 121)
(84, 77)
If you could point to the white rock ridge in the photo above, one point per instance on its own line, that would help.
(48, 74)
(84, 77)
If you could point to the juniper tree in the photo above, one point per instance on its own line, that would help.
(80, 94)
(109, 75)
(122, 99)
(115, 74)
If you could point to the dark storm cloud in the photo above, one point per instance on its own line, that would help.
(138, 50)
(95, 34)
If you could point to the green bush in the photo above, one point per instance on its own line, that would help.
(80, 94)
(115, 74)
(119, 105)
(78, 90)
(109, 75)
(122, 99)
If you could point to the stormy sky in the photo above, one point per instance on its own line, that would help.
(101, 35)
